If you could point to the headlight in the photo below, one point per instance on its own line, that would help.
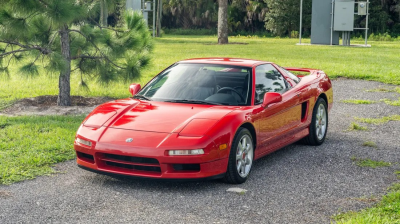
(186, 152)
(83, 142)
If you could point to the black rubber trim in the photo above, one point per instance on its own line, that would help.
(219, 176)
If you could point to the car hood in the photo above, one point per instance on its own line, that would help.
(163, 117)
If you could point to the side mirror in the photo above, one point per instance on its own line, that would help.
(270, 98)
(134, 88)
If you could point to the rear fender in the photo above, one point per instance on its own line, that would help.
(322, 88)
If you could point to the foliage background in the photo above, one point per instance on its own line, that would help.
(270, 17)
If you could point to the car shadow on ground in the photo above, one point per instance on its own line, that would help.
(266, 171)
(259, 166)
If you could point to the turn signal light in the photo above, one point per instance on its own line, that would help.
(223, 146)
(186, 152)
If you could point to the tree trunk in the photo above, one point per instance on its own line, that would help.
(103, 13)
(159, 11)
(223, 22)
(64, 86)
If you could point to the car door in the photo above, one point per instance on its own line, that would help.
(275, 123)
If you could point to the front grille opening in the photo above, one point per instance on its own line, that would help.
(132, 159)
(186, 167)
(85, 157)
(135, 167)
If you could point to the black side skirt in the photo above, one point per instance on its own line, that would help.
(219, 176)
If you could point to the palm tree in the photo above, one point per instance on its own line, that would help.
(223, 22)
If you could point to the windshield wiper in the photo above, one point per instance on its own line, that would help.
(141, 97)
(193, 102)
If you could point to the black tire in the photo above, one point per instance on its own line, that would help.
(232, 175)
(312, 138)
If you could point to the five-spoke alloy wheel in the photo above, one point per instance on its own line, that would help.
(320, 122)
(244, 156)
(240, 158)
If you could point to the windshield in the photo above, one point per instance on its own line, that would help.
(200, 84)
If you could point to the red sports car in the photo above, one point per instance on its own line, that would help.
(205, 118)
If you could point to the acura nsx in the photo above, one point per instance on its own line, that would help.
(206, 118)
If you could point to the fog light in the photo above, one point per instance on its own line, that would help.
(83, 142)
(186, 152)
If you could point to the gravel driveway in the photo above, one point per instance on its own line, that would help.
(298, 184)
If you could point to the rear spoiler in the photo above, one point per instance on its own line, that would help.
(310, 70)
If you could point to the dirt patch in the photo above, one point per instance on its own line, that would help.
(44, 101)
(47, 105)
(5, 194)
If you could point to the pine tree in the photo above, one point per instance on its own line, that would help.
(59, 35)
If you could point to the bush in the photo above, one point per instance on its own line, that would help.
(294, 34)
(376, 37)
(382, 37)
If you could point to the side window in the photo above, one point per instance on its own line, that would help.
(268, 79)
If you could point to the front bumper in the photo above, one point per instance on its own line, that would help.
(147, 155)
(148, 165)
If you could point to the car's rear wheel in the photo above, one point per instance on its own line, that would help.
(319, 124)
(240, 158)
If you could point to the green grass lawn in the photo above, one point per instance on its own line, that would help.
(358, 101)
(386, 211)
(381, 63)
(30, 145)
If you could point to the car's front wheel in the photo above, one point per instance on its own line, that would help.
(240, 158)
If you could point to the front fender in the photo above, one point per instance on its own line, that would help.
(224, 131)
